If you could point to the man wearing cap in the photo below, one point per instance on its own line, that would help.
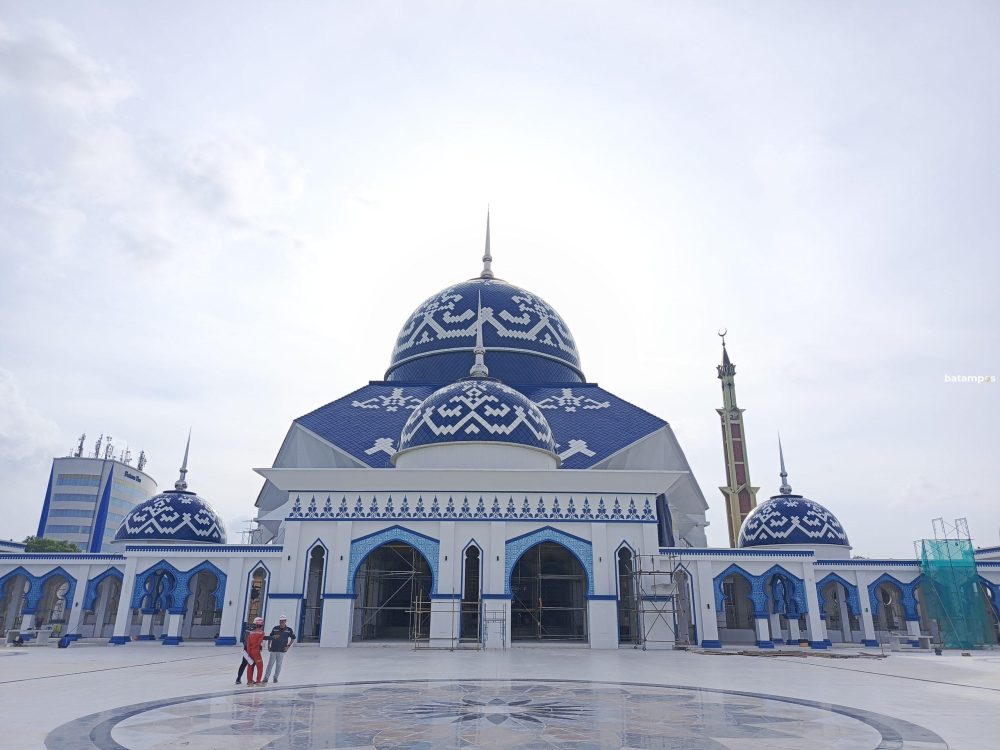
(281, 639)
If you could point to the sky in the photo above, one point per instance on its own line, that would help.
(218, 216)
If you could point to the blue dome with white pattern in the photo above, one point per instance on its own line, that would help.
(477, 410)
(527, 340)
(174, 516)
(791, 519)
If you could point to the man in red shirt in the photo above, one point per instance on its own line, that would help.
(255, 639)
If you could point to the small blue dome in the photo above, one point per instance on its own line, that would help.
(174, 516)
(477, 410)
(527, 340)
(791, 519)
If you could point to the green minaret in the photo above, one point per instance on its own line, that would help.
(740, 496)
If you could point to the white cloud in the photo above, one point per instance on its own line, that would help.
(26, 434)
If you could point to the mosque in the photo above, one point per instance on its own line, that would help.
(484, 493)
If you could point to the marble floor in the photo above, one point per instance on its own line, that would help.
(147, 696)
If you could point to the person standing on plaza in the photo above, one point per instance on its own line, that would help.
(255, 640)
(279, 641)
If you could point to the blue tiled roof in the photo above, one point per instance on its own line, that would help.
(588, 423)
(477, 410)
(520, 330)
(791, 519)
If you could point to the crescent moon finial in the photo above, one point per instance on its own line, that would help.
(722, 335)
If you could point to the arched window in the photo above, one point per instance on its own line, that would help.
(627, 605)
(469, 628)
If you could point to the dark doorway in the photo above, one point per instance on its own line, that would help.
(469, 626)
(549, 595)
(390, 583)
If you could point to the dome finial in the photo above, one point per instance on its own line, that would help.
(181, 484)
(479, 369)
(785, 488)
(487, 272)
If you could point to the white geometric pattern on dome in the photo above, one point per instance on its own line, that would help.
(173, 515)
(791, 519)
(533, 321)
(477, 409)
(393, 402)
(570, 402)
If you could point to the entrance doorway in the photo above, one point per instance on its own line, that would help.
(388, 585)
(549, 595)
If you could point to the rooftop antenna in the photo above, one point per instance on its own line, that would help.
(785, 488)
(126, 456)
(181, 484)
(487, 272)
(479, 369)
(79, 448)
(109, 449)
(142, 460)
(97, 446)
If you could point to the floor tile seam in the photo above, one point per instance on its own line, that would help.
(106, 669)
(891, 676)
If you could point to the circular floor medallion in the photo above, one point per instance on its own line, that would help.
(521, 714)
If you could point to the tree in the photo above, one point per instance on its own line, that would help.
(39, 544)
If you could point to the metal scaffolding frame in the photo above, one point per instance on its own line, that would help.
(454, 609)
(655, 602)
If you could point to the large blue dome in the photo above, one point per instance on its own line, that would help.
(477, 410)
(174, 516)
(527, 340)
(791, 519)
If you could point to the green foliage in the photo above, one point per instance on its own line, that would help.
(39, 544)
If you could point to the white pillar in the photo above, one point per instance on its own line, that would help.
(913, 630)
(867, 622)
(706, 621)
(444, 630)
(602, 623)
(763, 632)
(124, 618)
(229, 626)
(75, 614)
(27, 621)
(336, 626)
(175, 618)
(776, 635)
(845, 617)
(793, 631)
(817, 636)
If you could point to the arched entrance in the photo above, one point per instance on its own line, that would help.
(312, 607)
(890, 615)
(389, 583)
(203, 616)
(256, 597)
(548, 595)
(13, 597)
(628, 624)
(99, 621)
(736, 622)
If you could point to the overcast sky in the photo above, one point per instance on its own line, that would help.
(219, 215)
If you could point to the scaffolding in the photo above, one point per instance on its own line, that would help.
(655, 611)
(953, 596)
(465, 620)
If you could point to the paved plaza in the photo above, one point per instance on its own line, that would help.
(146, 697)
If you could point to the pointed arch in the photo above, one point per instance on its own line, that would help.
(908, 590)
(798, 586)
(90, 593)
(756, 583)
(428, 547)
(581, 549)
(853, 598)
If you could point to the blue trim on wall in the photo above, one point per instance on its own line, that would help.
(580, 548)
(602, 597)
(101, 517)
(428, 547)
(90, 593)
(908, 591)
(853, 597)
(43, 519)
(340, 596)
(284, 596)
(30, 557)
(502, 597)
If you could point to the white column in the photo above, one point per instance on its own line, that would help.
(146, 626)
(124, 618)
(817, 636)
(793, 630)
(101, 608)
(602, 617)
(867, 623)
(175, 618)
(776, 635)
(336, 626)
(229, 626)
(845, 617)
(28, 621)
(763, 632)
(496, 624)
(75, 614)
(706, 618)
(444, 621)
(913, 630)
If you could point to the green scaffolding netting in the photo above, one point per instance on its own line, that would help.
(952, 593)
